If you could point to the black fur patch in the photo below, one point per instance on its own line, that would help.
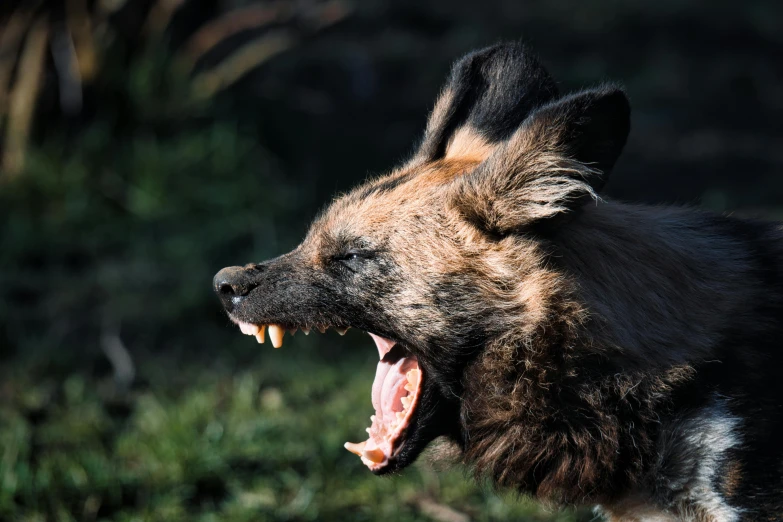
(592, 127)
(752, 355)
(493, 90)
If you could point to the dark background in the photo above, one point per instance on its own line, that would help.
(145, 144)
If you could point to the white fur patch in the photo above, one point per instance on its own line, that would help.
(708, 434)
(713, 432)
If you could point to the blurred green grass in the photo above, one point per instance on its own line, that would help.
(263, 442)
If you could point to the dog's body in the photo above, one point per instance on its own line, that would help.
(666, 393)
(587, 352)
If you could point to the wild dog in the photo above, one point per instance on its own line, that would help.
(588, 352)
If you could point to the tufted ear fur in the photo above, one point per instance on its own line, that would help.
(557, 159)
(487, 96)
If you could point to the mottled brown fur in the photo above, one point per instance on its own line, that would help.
(732, 472)
(580, 350)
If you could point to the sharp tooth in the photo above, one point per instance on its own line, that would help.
(409, 387)
(322, 329)
(400, 415)
(306, 331)
(356, 449)
(292, 331)
(341, 331)
(260, 334)
(406, 402)
(248, 329)
(374, 455)
(413, 377)
(276, 335)
(372, 418)
(368, 430)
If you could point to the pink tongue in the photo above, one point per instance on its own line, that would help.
(395, 394)
(389, 387)
(390, 379)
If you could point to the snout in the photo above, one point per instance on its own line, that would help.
(232, 284)
(283, 290)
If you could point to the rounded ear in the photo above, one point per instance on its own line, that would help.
(488, 95)
(590, 127)
(559, 157)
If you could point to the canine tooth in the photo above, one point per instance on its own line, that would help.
(356, 449)
(276, 335)
(341, 331)
(260, 335)
(406, 402)
(374, 455)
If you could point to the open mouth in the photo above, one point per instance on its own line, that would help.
(395, 395)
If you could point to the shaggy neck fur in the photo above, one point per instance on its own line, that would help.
(577, 403)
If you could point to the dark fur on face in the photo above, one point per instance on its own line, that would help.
(582, 351)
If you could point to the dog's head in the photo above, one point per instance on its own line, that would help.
(441, 257)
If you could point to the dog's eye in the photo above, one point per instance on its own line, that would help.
(353, 260)
(351, 257)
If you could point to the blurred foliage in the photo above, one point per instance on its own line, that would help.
(126, 224)
(125, 209)
(260, 444)
(84, 38)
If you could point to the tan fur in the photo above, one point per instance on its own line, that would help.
(733, 478)
(468, 145)
(440, 111)
(435, 123)
(533, 177)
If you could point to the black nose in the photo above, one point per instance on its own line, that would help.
(232, 283)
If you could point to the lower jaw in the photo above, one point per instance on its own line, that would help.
(395, 405)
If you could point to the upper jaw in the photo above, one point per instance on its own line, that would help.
(252, 317)
(277, 330)
(246, 315)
